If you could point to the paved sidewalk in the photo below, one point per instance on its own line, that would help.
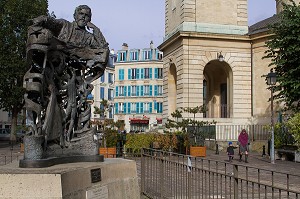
(256, 160)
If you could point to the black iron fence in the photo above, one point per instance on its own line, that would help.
(171, 175)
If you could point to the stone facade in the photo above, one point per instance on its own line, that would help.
(233, 89)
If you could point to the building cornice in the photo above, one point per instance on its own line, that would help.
(201, 35)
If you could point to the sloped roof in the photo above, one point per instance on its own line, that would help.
(263, 25)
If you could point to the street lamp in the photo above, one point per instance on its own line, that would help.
(271, 81)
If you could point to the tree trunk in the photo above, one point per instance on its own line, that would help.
(13, 130)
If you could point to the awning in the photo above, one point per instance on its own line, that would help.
(139, 121)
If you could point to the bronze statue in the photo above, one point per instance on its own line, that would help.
(64, 58)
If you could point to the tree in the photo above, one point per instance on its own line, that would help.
(284, 51)
(15, 18)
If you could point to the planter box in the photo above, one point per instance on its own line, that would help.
(108, 152)
(198, 151)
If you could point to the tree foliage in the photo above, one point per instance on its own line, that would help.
(284, 51)
(15, 18)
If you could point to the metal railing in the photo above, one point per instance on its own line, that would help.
(6, 159)
(170, 175)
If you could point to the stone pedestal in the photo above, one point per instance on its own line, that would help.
(111, 179)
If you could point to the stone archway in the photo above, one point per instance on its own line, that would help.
(217, 89)
(172, 89)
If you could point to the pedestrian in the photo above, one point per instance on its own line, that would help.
(230, 151)
(243, 142)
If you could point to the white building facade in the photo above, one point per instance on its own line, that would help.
(139, 88)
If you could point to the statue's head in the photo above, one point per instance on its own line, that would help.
(82, 15)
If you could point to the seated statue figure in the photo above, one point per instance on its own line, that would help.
(64, 58)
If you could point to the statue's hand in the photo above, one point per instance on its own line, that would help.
(90, 25)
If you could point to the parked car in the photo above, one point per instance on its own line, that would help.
(5, 135)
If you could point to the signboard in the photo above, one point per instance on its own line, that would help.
(97, 193)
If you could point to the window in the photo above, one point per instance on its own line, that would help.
(133, 90)
(159, 55)
(121, 107)
(134, 55)
(133, 107)
(110, 94)
(122, 56)
(102, 78)
(132, 73)
(121, 74)
(158, 73)
(158, 90)
(110, 78)
(122, 90)
(148, 73)
(102, 93)
(158, 107)
(148, 90)
(147, 54)
(110, 113)
(148, 107)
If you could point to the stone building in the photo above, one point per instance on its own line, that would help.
(138, 88)
(212, 58)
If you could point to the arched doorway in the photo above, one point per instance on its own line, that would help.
(172, 89)
(217, 89)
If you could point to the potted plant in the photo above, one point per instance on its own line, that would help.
(196, 133)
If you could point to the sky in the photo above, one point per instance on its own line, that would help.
(137, 22)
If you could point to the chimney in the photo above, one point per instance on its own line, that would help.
(124, 46)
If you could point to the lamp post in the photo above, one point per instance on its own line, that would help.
(271, 81)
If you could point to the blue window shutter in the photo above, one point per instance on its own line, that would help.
(137, 55)
(160, 107)
(125, 59)
(128, 107)
(150, 90)
(129, 91)
(124, 107)
(137, 107)
(155, 90)
(142, 90)
(142, 107)
(117, 91)
(116, 108)
(129, 73)
(155, 105)
(150, 73)
(101, 92)
(155, 73)
(150, 107)
(119, 56)
(142, 73)
(122, 74)
(137, 90)
(125, 91)
(131, 55)
(137, 73)
(151, 54)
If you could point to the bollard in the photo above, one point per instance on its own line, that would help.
(264, 151)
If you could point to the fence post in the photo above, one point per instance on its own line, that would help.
(236, 181)
(189, 170)
(142, 171)
(162, 175)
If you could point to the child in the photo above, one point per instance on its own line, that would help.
(230, 151)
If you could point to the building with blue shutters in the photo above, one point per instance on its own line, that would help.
(139, 88)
